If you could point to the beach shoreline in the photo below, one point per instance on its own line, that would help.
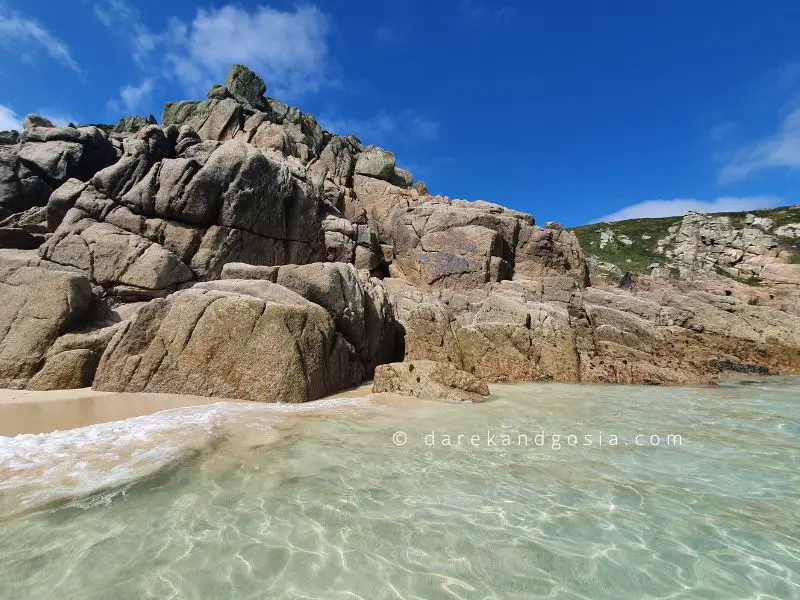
(34, 412)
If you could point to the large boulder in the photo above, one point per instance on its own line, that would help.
(252, 340)
(454, 244)
(39, 305)
(376, 162)
(550, 251)
(245, 86)
(429, 380)
(357, 303)
(72, 360)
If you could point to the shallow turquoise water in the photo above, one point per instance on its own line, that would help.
(245, 501)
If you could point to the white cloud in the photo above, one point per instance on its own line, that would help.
(131, 97)
(9, 119)
(781, 149)
(118, 15)
(383, 128)
(17, 33)
(288, 49)
(680, 206)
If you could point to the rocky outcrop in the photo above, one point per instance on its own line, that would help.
(551, 251)
(44, 157)
(702, 243)
(357, 302)
(443, 243)
(553, 329)
(430, 380)
(160, 218)
(72, 360)
(245, 252)
(253, 340)
(39, 305)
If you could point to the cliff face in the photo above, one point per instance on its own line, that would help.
(754, 256)
(240, 250)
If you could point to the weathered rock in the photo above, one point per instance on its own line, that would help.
(38, 306)
(548, 252)
(790, 230)
(152, 223)
(72, 360)
(36, 121)
(245, 86)
(44, 159)
(132, 124)
(430, 380)
(443, 243)
(253, 340)
(552, 328)
(357, 303)
(602, 270)
(240, 111)
(61, 200)
(377, 163)
(68, 370)
(702, 244)
(16, 237)
(402, 178)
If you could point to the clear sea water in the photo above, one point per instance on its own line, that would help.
(330, 501)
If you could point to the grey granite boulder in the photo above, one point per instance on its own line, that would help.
(38, 306)
(72, 360)
(550, 251)
(357, 303)
(245, 86)
(376, 162)
(252, 340)
(430, 380)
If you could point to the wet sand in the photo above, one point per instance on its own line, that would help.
(23, 411)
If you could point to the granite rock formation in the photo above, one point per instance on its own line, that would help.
(239, 250)
(430, 380)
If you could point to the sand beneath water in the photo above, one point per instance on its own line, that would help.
(23, 411)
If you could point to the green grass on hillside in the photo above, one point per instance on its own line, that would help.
(642, 253)
(638, 256)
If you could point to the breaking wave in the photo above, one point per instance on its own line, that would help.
(91, 465)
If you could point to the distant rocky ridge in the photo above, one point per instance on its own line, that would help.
(751, 255)
(239, 250)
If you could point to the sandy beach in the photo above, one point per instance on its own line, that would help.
(23, 411)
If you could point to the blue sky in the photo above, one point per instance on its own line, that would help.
(569, 110)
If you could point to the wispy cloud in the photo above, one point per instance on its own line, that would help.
(384, 129)
(132, 97)
(476, 12)
(287, 48)
(386, 35)
(680, 206)
(9, 119)
(25, 36)
(120, 16)
(781, 149)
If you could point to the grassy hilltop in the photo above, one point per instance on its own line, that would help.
(645, 234)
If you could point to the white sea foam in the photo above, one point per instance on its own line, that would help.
(91, 465)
